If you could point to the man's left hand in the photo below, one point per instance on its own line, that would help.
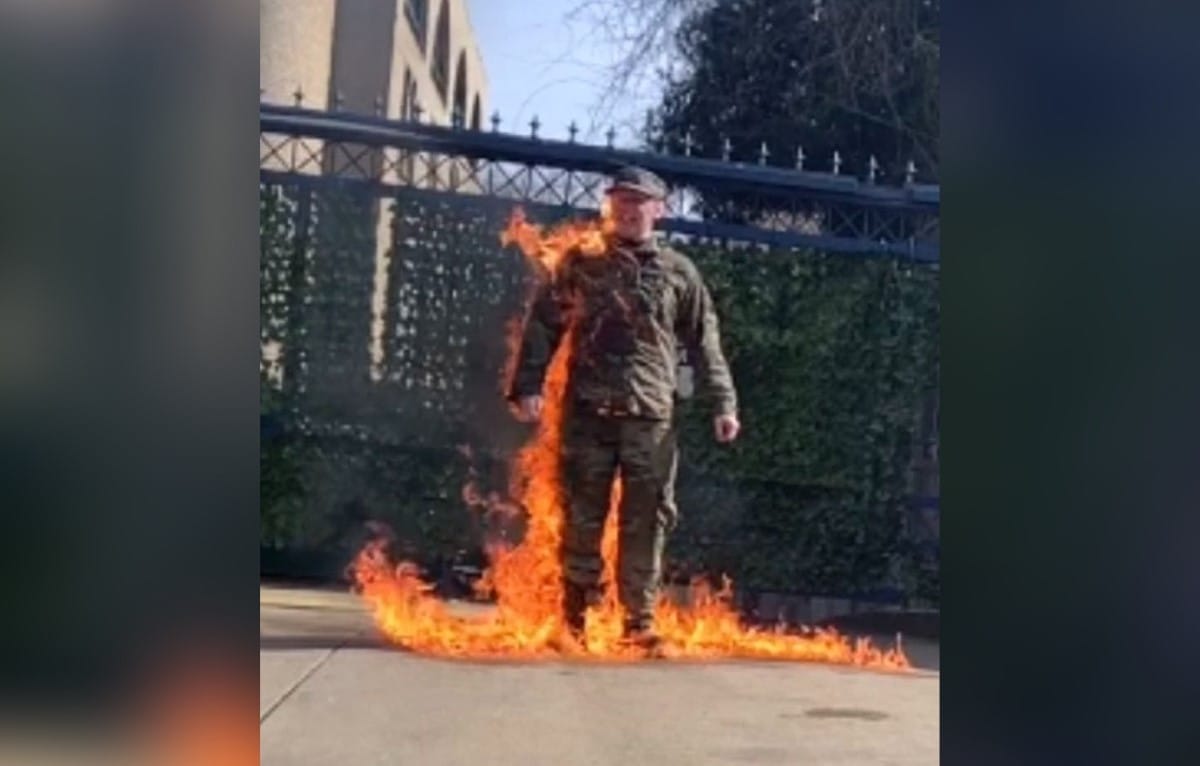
(726, 428)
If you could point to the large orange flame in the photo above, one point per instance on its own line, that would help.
(525, 579)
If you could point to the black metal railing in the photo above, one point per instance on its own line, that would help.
(830, 211)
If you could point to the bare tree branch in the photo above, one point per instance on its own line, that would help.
(873, 60)
(639, 30)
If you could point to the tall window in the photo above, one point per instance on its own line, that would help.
(408, 110)
(417, 13)
(475, 124)
(475, 115)
(458, 111)
(406, 96)
(439, 67)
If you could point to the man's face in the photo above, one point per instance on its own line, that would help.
(634, 214)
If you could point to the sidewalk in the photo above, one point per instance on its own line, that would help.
(331, 692)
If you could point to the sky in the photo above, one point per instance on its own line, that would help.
(540, 63)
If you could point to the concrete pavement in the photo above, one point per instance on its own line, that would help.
(332, 693)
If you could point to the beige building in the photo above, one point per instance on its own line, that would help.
(373, 57)
(396, 58)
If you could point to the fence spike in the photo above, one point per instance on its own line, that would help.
(872, 169)
(338, 100)
(534, 124)
(457, 119)
(299, 95)
(572, 129)
(496, 121)
(910, 172)
(379, 106)
(837, 162)
(688, 144)
(799, 158)
(416, 111)
(611, 136)
(763, 153)
(726, 149)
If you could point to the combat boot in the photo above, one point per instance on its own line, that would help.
(640, 634)
(575, 603)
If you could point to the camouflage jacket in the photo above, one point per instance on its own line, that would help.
(630, 309)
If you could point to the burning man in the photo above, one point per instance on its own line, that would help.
(626, 312)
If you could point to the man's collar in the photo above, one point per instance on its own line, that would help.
(648, 247)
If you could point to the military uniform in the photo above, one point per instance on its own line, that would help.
(628, 311)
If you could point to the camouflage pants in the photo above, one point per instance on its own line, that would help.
(643, 451)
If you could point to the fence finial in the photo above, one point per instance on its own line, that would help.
(872, 169)
(799, 158)
(726, 149)
(611, 136)
(910, 172)
(534, 124)
(457, 119)
(416, 111)
(299, 95)
(688, 143)
(572, 129)
(496, 121)
(837, 162)
(763, 153)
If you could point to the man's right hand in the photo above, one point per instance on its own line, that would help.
(529, 408)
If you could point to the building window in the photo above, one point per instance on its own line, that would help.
(417, 13)
(439, 67)
(458, 112)
(409, 108)
(407, 95)
(476, 117)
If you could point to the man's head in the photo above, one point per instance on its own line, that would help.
(638, 199)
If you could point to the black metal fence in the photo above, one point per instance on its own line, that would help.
(385, 293)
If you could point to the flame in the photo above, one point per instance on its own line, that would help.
(525, 580)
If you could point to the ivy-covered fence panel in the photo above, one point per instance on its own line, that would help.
(392, 408)
(386, 300)
(833, 358)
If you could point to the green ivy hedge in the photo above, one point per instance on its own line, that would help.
(834, 358)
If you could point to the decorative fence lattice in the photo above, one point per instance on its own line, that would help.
(385, 299)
